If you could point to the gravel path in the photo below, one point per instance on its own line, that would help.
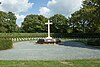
(28, 50)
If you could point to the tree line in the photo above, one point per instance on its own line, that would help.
(85, 20)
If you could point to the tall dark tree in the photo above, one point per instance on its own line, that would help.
(60, 24)
(90, 11)
(87, 18)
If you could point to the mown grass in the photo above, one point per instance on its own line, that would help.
(57, 63)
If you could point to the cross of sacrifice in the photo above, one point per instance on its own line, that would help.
(49, 29)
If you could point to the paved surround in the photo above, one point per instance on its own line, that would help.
(28, 50)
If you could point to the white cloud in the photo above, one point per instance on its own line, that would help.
(16, 6)
(44, 11)
(50, 3)
(20, 19)
(65, 7)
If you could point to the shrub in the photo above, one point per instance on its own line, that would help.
(97, 42)
(94, 42)
(5, 44)
(90, 42)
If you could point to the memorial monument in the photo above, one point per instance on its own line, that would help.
(48, 39)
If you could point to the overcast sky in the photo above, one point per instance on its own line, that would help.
(42, 7)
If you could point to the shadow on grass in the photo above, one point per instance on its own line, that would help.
(78, 44)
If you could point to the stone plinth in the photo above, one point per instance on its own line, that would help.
(48, 41)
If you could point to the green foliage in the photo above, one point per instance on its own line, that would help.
(5, 44)
(94, 42)
(3, 23)
(87, 18)
(11, 23)
(34, 24)
(55, 35)
(75, 35)
(60, 24)
(7, 22)
(22, 35)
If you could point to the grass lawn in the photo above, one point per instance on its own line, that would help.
(57, 63)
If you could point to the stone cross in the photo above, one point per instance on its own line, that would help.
(49, 29)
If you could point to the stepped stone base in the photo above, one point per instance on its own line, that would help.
(48, 41)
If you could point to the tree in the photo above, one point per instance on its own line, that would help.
(34, 23)
(11, 25)
(3, 21)
(80, 21)
(7, 22)
(74, 22)
(60, 24)
(90, 9)
(87, 18)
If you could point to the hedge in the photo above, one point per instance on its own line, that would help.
(94, 42)
(22, 35)
(5, 44)
(55, 35)
(76, 35)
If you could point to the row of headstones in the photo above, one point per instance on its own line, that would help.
(23, 39)
(32, 38)
(27, 39)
